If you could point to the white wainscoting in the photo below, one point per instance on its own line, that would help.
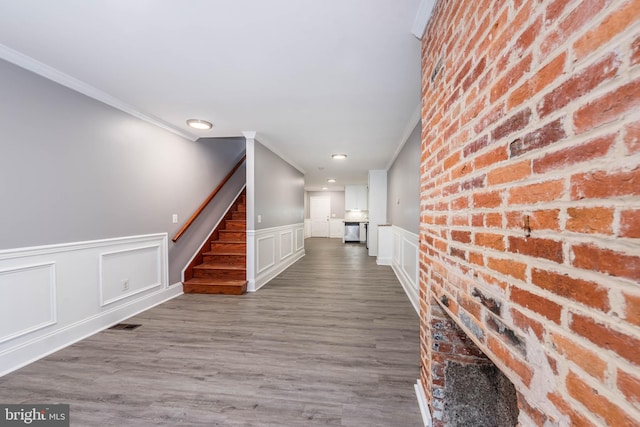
(336, 228)
(271, 251)
(52, 296)
(404, 261)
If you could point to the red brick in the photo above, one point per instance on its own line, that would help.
(473, 183)
(520, 368)
(590, 220)
(461, 236)
(539, 138)
(632, 137)
(475, 146)
(459, 203)
(461, 170)
(583, 291)
(477, 71)
(528, 37)
(511, 124)
(509, 173)
(603, 185)
(632, 309)
(539, 418)
(535, 247)
(538, 220)
(489, 240)
(589, 361)
(635, 51)
(477, 220)
(495, 114)
(576, 419)
(526, 323)
(487, 200)
(612, 25)
(476, 258)
(579, 84)
(450, 161)
(492, 157)
(608, 107)
(591, 257)
(536, 303)
(629, 385)
(607, 338)
(578, 17)
(508, 267)
(544, 77)
(569, 156)
(536, 193)
(516, 24)
(493, 220)
(597, 403)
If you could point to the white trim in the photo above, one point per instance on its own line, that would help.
(403, 239)
(77, 283)
(422, 18)
(422, 403)
(260, 275)
(124, 295)
(408, 129)
(262, 140)
(284, 255)
(72, 83)
(48, 344)
(53, 319)
(206, 239)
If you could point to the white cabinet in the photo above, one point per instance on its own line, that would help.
(355, 197)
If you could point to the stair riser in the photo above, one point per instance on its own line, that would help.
(236, 225)
(218, 289)
(239, 215)
(237, 248)
(233, 236)
(219, 274)
(237, 260)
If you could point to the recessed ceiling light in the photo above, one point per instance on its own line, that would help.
(338, 156)
(199, 124)
(331, 180)
(325, 188)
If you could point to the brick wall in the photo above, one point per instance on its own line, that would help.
(530, 198)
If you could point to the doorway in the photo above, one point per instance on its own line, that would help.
(320, 214)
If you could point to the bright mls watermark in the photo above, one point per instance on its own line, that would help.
(34, 415)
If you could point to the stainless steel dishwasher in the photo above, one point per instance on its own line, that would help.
(351, 231)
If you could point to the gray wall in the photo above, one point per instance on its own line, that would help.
(278, 190)
(403, 186)
(74, 169)
(337, 202)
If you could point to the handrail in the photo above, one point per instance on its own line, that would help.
(208, 200)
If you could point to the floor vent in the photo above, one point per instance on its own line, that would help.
(125, 326)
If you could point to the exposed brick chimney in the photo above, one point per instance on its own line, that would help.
(530, 202)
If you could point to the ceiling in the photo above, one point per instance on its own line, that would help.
(311, 77)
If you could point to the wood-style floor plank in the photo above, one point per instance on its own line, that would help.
(333, 341)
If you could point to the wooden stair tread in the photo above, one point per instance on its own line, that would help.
(220, 267)
(228, 241)
(215, 282)
(219, 252)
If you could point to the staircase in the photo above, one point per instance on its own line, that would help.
(220, 266)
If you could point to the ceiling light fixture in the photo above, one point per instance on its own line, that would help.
(199, 124)
(331, 180)
(338, 156)
(325, 188)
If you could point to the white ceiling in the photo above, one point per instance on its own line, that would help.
(311, 77)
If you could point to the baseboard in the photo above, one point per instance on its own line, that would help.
(406, 284)
(383, 260)
(273, 272)
(42, 346)
(422, 403)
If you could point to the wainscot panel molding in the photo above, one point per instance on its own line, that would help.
(271, 251)
(336, 228)
(307, 228)
(404, 261)
(52, 296)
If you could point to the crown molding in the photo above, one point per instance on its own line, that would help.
(79, 86)
(409, 127)
(422, 18)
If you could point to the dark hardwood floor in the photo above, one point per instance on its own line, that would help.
(332, 341)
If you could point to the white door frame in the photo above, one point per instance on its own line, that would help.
(320, 224)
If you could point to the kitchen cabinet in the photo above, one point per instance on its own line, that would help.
(355, 197)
